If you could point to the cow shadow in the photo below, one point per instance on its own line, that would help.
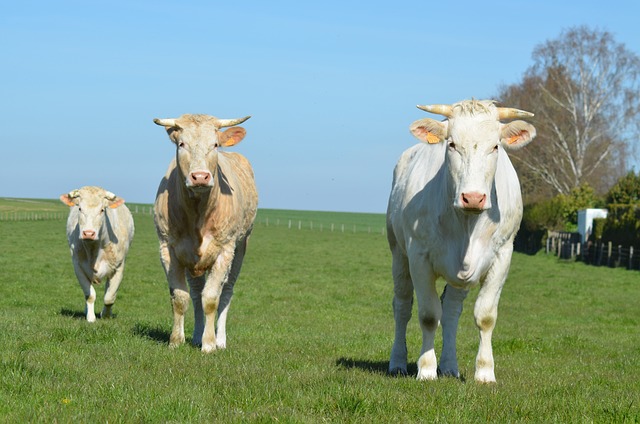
(150, 332)
(374, 367)
(66, 312)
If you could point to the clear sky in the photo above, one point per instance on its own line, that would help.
(331, 85)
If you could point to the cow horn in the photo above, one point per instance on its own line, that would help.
(444, 110)
(167, 123)
(511, 113)
(74, 193)
(109, 196)
(221, 123)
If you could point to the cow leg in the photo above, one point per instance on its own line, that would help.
(227, 294)
(451, 299)
(429, 313)
(111, 291)
(402, 304)
(179, 293)
(486, 312)
(89, 293)
(196, 285)
(216, 279)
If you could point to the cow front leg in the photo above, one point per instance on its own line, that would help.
(215, 280)
(452, 299)
(227, 294)
(179, 294)
(486, 313)
(89, 293)
(402, 304)
(429, 313)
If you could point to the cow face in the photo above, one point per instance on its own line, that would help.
(91, 204)
(474, 136)
(197, 139)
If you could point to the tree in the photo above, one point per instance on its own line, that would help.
(626, 191)
(585, 91)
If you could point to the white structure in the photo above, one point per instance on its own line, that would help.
(585, 221)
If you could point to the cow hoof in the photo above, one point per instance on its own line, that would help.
(398, 372)
(427, 375)
(448, 373)
(208, 348)
(485, 376)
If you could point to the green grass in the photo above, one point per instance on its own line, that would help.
(309, 334)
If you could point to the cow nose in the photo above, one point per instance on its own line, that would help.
(473, 200)
(88, 234)
(200, 178)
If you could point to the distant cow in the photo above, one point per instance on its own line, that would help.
(99, 230)
(454, 210)
(204, 213)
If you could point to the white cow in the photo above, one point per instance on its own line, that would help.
(99, 230)
(454, 210)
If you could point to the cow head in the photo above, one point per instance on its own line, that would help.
(474, 134)
(92, 203)
(197, 139)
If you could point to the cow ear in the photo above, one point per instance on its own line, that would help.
(429, 130)
(516, 134)
(115, 202)
(67, 200)
(232, 136)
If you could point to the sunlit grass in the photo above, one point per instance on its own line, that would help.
(309, 334)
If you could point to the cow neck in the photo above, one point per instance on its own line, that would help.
(199, 207)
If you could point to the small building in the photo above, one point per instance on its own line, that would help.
(585, 221)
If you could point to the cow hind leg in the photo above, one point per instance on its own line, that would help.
(402, 304)
(196, 285)
(429, 313)
(451, 299)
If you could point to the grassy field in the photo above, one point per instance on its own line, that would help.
(309, 334)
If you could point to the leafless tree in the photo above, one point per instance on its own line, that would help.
(585, 91)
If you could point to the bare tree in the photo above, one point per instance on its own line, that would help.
(585, 91)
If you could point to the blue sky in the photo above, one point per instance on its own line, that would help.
(331, 86)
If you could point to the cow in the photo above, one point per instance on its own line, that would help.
(204, 212)
(454, 209)
(99, 231)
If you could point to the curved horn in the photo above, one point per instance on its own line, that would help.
(221, 123)
(511, 113)
(74, 193)
(167, 123)
(444, 110)
(109, 196)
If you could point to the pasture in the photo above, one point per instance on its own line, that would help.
(309, 334)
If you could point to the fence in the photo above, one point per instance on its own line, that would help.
(291, 224)
(569, 246)
(59, 216)
(300, 224)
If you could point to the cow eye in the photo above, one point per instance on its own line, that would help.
(181, 144)
(452, 145)
(495, 148)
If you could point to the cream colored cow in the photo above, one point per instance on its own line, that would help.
(204, 213)
(99, 231)
(454, 210)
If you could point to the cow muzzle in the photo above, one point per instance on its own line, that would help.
(200, 179)
(88, 235)
(473, 202)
